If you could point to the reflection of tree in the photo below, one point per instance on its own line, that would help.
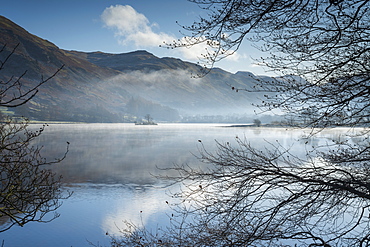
(28, 190)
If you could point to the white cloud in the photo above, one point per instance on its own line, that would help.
(194, 52)
(235, 57)
(131, 27)
(134, 27)
(204, 48)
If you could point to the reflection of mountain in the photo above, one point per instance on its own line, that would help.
(125, 153)
(97, 87)
(109, 154)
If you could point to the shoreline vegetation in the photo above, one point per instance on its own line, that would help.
(146, 123)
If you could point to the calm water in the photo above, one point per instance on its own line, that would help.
(109, 168)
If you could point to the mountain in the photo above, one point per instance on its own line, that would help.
(102, 87)
(137, 60)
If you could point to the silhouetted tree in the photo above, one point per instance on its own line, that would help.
(272, 197)
(257, 122)
(148, 118)
(29, 191)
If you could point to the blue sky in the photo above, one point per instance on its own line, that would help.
(118, 26)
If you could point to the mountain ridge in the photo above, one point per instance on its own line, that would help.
(105, 87)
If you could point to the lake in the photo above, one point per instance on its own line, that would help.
(110, 170)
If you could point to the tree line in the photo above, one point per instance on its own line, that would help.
(29, 190)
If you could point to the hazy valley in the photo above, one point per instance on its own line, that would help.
(101, 87)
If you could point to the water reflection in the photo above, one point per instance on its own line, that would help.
(110, 166)
(147, 206)
(117, 153)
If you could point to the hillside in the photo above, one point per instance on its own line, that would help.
(101, 87)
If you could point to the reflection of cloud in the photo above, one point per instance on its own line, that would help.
(138, 208)
(131, 26)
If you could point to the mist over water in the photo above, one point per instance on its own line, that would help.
(182, 90)
(110, 168)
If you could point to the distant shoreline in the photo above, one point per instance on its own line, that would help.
(252, 125)
(240, 125)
